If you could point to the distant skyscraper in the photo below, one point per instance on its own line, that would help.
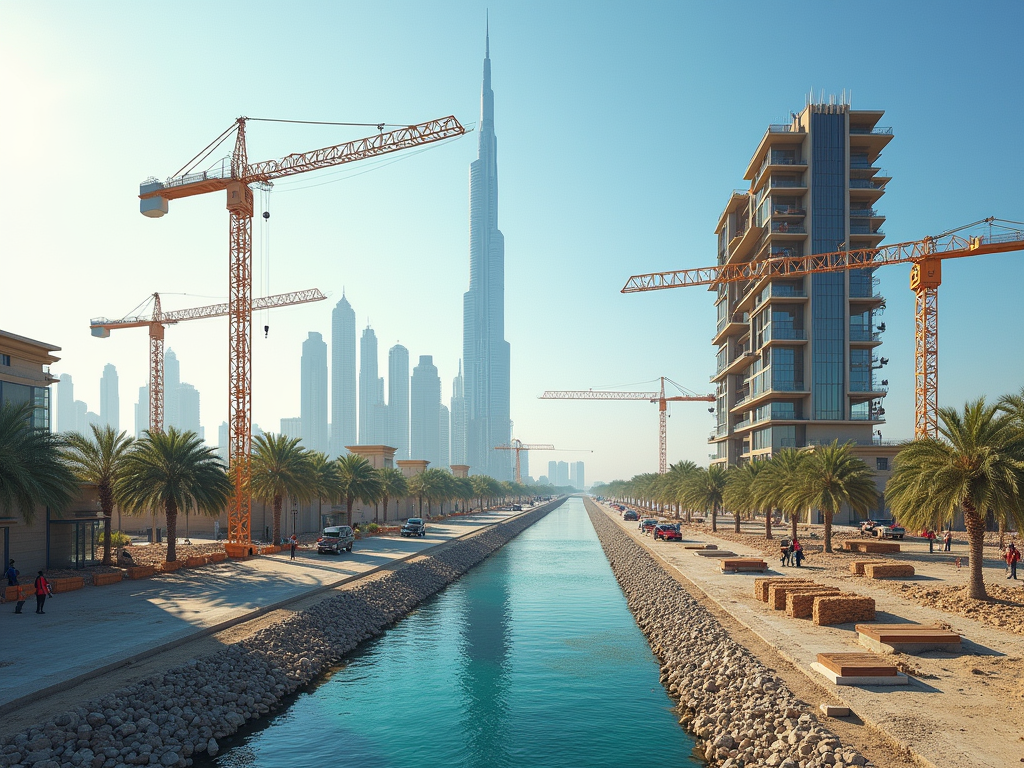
(292, 427)
(425, 412)
(379, 432)
(553, 472)
(313, 398)
(485, 352)
(444, 430)
(563, 474)
(343, 377)
(110, 403)
(581, 476)
(142, 414)
(369, 386)
(66, 418)
(188, 409)
(398, 401)
(222, 440)
(576, 476)
(524, 465)
(172, 381)
(458, 410)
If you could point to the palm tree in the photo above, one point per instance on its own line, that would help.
(172, 470)
(739, 493)
(705, 491)
(676, 478)
(464, 491)
(1013, 405)
(359, 480)
(326, 481)
(433, 486)
(774, 482)
(393, 485)
(99, 461)
(482, 488)
(280, 467)
(33, 471)
(830, 477)
(976, 465)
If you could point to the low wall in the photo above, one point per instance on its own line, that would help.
(739, 710)
(168, 718)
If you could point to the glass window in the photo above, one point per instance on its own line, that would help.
(784, 437)
(860, 370)
(788, 369)
(882, 463)
(5, 359)
(761, 438)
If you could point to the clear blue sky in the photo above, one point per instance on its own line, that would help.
(622, 128)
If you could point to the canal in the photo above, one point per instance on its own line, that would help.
(531, 659)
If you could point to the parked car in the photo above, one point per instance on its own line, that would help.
(414, 526)
(667, 532)
(517, 508)
(882, 529)
(647, 526)
(629, 514)
(334, 539)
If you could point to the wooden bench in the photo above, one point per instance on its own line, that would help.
(713, 553)
(842, 609)
(907, 638)
(103, 579)
(700, 546)
(140, 571)
(858, 669)
(871, 547)
(195, 561)
(800, 604)
(777, 593)
(743, 565)
(761, 585)
(857, 566)
(888, 570)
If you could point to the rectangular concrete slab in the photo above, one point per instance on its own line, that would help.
(857, 664)
(897, 679)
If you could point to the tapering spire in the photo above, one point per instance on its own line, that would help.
(487, 35)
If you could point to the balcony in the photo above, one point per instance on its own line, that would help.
(865, 213)
(786, 389)
(865, 229)
(733, 325)
(788, 210)
(866, 184)
(864, 334)
(785, 228)
(783, 183)
(777, 135)
(877, 131)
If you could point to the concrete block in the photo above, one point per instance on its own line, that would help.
(831, 710)
(857, 566)
(842, 609)
(898, 679)
(888, 570)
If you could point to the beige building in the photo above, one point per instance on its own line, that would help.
(798, 359)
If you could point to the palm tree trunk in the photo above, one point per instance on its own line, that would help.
(828, 530)
(384, 519)
(714, 518)
(107, 505)
(349, 500)
(278, 499)
(171, 513)
(736, 521)
(976, 539)
(1002, 534)
(768, 524)
(792, 520)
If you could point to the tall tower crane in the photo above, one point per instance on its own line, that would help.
(925, 256)
(654, 397)
(237, 181)
(519, 445)
(102, 326)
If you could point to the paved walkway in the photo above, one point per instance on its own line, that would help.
(90, 630)
(949, 718)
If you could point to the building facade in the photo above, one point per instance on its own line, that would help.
(369, 388)
(343, 378)
(577, 476)
(110, 402)
(458, 420)
(425, 412)
(485, 353)
(398, 401)
(313, 398)
(444, 437)
(797, 357)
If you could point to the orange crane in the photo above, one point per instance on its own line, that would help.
(102, 326)
(236, 182)
(654, 397)
(925, 256)
(519, 445)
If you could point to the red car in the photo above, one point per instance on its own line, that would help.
(667, 532)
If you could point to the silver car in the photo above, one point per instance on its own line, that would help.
(335, 538)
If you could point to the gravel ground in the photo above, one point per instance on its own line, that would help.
(175, 715)
(741, 712)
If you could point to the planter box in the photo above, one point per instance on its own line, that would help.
(240, 551)
(140, 571)
(195, 561)
(166, 567)
(270, 549)
(21, 592)
(102, 579)
(217, 557)
(69, 584)
(743, 564)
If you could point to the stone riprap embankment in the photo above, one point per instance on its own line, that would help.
(171, 718)
(741, 713)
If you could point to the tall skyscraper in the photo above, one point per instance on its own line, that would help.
(292, 427)
(369, 386)
(142, 414)
(425, 412)
(172, 381)
(577, 477)
(563, 474)
(485, 352)
(458, 411)
(222, 441)
(110, 403)
(553, 472)
(343, 377)
(797, 355)
(188, 409)
(67, 421)
(444, 431)
(313, 399)
(398, 401)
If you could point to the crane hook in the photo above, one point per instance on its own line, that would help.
(266, 331)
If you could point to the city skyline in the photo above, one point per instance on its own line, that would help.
(581, 215)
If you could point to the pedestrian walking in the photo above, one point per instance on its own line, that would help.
(798, 552)
(43, 591)
(12, 575)
(784, 550)
(931, 541)
(947, 541)
(1012, 558)
(294, 542)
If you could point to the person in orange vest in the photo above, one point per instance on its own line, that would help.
(1012, 558)
(43, 591)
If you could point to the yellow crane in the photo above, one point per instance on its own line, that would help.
(519, 445)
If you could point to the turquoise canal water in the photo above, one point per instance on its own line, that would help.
(532, 659)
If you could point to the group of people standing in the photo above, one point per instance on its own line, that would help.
(947, 540)
(42, 589)
(792, 552)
